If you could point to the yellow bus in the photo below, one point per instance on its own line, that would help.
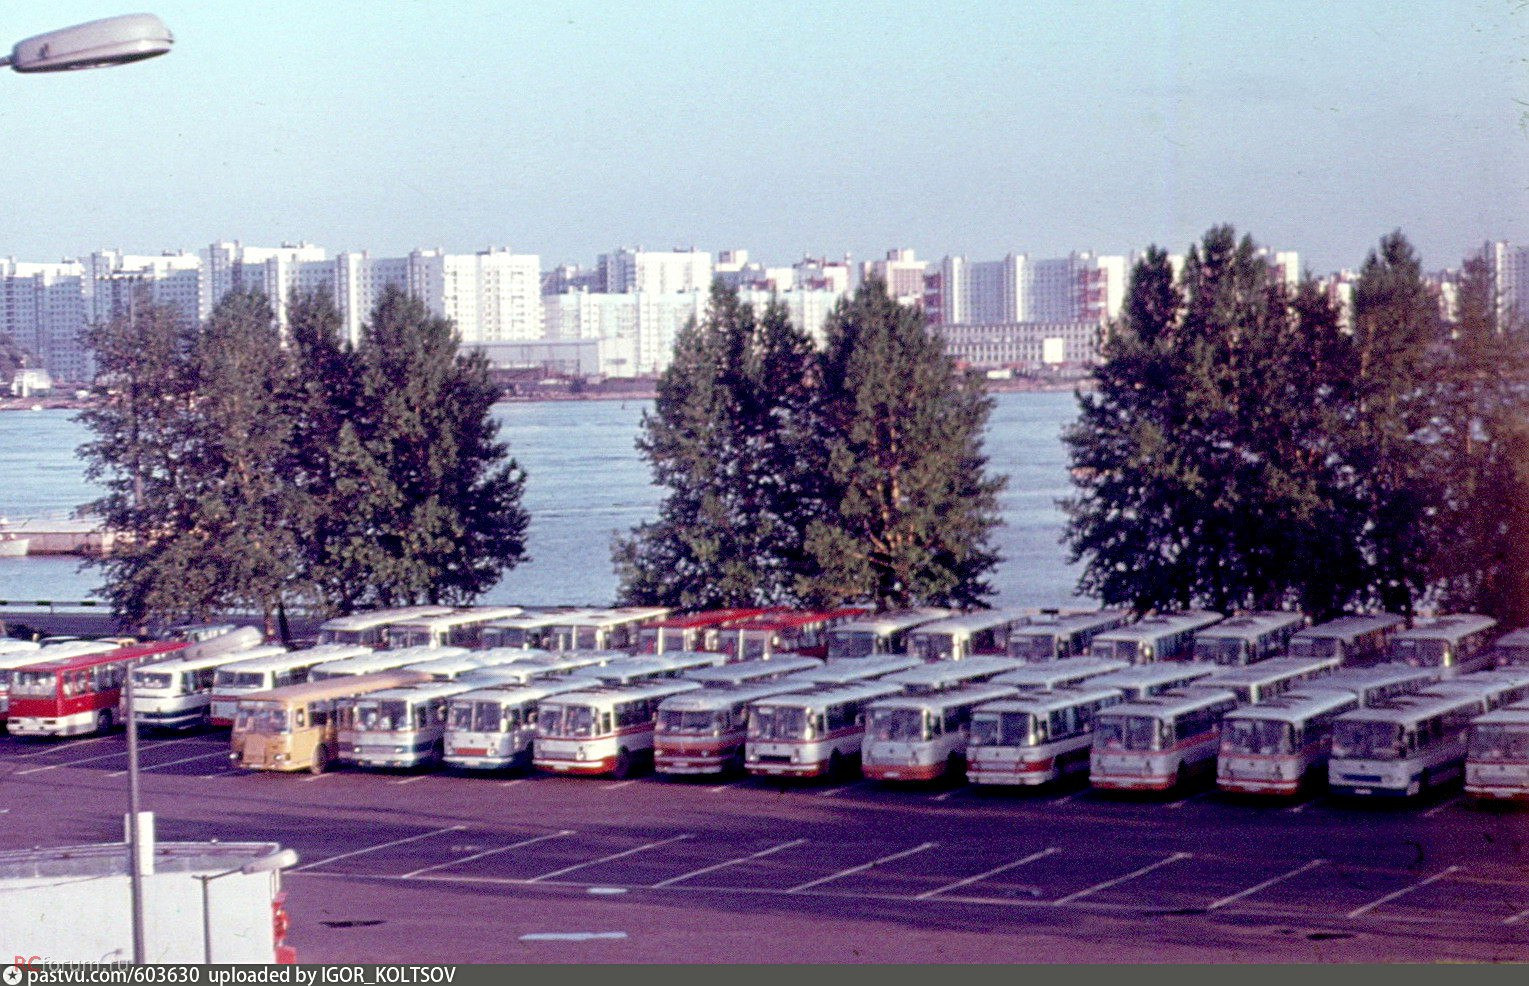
(296, 727)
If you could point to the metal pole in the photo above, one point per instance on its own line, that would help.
(206, 921)
(133, 855)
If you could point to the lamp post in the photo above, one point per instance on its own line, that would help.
(102, 44)
(265, 864)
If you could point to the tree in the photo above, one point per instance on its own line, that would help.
(731, 438)
(911, 509)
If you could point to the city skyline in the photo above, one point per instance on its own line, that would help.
(794, 129)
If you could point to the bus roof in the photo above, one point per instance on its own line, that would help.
(945, 674)
(1153, 627)
(1049, 701)
(1377, 676)
(661, 688)
(615, 616)
(359, 684)
(133, 652)
(381, 617)
(710, 699)
(1410, 708)
(1490, 685)
(674, 662)
(1516, 714)
(826, 695)
(195, 662)
(1513, 638)
(422, 692)
(892, 620)
(1349, 627)
(973, 622)
(1447, 627)
(1250, 626)
(18, 658)
(1170, 703)
(531, 621)
(276, 658)
(1298, 705)
(1274, 669)
(1147, 675)
(849, 669)
(1047, 674)
(520, 694)
(1054, 624)
(961, 695)
(706, 618)
(74, 648)
(455, 661)
(746, 672)
(792, 618)
(382, 660)
(457, 618)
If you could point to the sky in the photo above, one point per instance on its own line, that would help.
(953, 127)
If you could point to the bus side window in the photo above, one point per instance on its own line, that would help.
(300, 717)
(318, 715)
(605, 722)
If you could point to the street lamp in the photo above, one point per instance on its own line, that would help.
(97, 44)
(281, 860)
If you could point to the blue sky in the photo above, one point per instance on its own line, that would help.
(567, 129)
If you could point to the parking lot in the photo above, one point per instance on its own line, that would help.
(432, 866)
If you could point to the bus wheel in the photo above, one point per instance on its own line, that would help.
(835, 766)
(320, 760)
(623, 765)
(955, 767)
(103, 721)
(1181, 778)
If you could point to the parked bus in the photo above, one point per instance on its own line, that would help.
(859, 669)
(1454, 644)
(704, 732)
(1247, 638)
(549, 665)
(1058, 674)
(1512, 649)
(602, 730)
(802, 632)
(273, 667)
(529, 631)
(692, 631)
(757, 671)
(176, 693)
(1417, 742)
(1146, 680)
(398, 727)
(1377, 683)
(494, 728)
(1053, 636)
(297, 727)
(938, 675)
(1353, 640)
(602, 629)
(367, 629)
(620, 668)
(78, 695)
(1497, 755)
(454, 662)
(380, 660)
(459, 628)
(1037, 737)
(921, 736)
(965, 635)
(879, 633)
(1269, 678)
(13, 654)
(1278, 746)
(1158, 743)
(1165, 637)
(816, 732)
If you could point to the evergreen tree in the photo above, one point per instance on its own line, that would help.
(911, 508)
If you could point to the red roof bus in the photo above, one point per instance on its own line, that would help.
(785, 632)
(73, 696)
(693, 631)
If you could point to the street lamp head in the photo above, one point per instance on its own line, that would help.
(97, 44)
(280, 860)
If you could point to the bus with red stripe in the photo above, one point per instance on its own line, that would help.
(692, 631)
(76, 696)
(1158, 743)
(602, 730)
(1279, 745)
(785, 632)
(705, 732)
(922, 737)
(815, 731)
(1037, 737)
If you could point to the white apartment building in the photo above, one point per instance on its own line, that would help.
(1080, 287)
(627, 271)
(903, 273)
(1510, 275)
(636, 330)
(227, 265)
(42, 307)
(1023, 345)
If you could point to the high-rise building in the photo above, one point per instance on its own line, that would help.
(1509, 264)
(903, 274)
(42, 307)
(628, 270)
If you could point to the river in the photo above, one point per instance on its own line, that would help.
(585, 482)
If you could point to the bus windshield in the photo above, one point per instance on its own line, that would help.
(1033, 647)
(1419, 653)
(1219, 650)
(1256, 737)
(755, 646)
(934, 646)
(566, 720)
(506, 637)
(1002, 729)
(690, 723)
(1313, 647)
(240, 679)
(897, 725)
(1135, 733)
(851, 643)
(1368, 740)
(1499, 742)
(382, 715)
(154, 679)
(777, 722)
(399, 638)
(262, 718)
(39, 684)
(1120, 650)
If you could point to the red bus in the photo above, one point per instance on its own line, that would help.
(73, 696)
(693, 631)
(784, 632)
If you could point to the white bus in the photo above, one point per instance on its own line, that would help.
(1266, 679)
(938, 675)
(880, 633)
(1247, 637)
(380, 660)
(1512, 649)
(966, 635)
(815, 732)
(1057, 674)
(1411, 744)
(1036, 737)
(1277, 746)
(176, 693)
(602, 730)
(1165, 637)
(601, 629)
(692, 631)
(860, 669)
(453, 662)
(1351, 639)
(13, 654)
(757, 671)
(1158, 743)
(1145, 680)
(366, 629)
(265, 668)
(1497, 755)
(1053, 636)
(922, 736)
(1453, 644)
(494, 728)
(528, 631)
(398, 727)
(620, 668)
(1377, 683)
(459, 628)
(704, 732)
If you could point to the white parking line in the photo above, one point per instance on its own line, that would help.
(54, 748)
(1120, 879)
(315, 777)
(607, 859)
(1515, 919)
(1064, 799)
(830, 792)
(861, 868)
(1442, 805)
(383, 845)
(1299, 808)
(1266, 884)
(719, 788)
(618, 784)
(717, 866)
(103, 756)
(518, 780)
(172, 763)
(1184, 801)
(410, 780)
(992, 872)
(489, 852)
(943, 797)
(1356, 912)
